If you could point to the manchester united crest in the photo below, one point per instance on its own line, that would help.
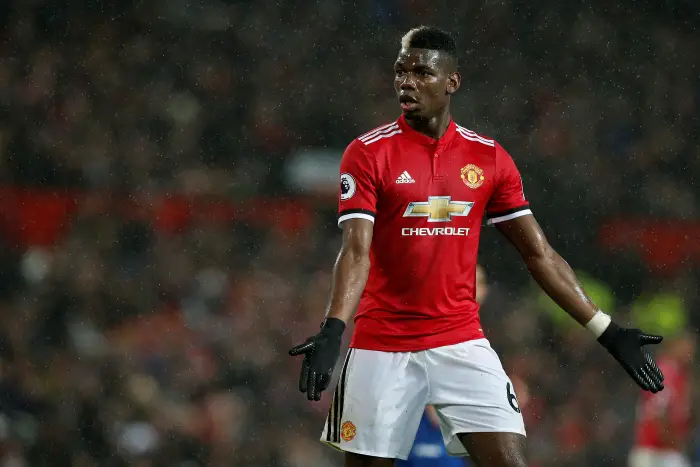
(472, 176)
(347, 431)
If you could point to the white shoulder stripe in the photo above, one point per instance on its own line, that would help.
(376, 131)
(478, 139)
(378, 137)
(379, 133)
(383, 132)
(472, 133)
(468, 132)
(470, 138)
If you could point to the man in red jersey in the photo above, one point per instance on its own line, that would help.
(413, 195)
(664, 421)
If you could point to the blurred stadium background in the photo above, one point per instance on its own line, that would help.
(168, 174)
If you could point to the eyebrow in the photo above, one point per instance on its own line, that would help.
(421, 67)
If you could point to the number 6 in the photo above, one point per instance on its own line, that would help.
(512, 400)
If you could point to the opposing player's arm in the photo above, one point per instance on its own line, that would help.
(548, 269)
(351, 269)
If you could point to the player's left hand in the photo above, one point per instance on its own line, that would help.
(320, 355)
(627, 347)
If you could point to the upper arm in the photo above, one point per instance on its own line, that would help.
(525, 234)
(508, 198)
(509, 210)
(357, 236)
(357, 198)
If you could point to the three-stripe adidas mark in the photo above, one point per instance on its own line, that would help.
(386, 131)
(335, 414)
(405, 178)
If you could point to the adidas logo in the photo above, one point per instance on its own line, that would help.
(405, 178)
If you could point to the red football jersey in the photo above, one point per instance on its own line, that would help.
(427, 199)
(672, 404)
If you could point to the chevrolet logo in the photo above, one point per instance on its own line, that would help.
(438, 209)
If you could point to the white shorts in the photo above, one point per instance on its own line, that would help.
(381, 396)
(647, 457)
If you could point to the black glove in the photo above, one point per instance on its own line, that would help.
(627, 346)
(320, 355)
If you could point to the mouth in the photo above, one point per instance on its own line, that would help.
(408, 103)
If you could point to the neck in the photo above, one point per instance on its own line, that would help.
(433, 127)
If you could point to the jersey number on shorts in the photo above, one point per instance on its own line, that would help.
(512, 400)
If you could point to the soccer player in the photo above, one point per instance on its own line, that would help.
(413, 196)
(664, 422)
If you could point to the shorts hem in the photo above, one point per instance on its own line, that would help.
(363, 452)
(490, 430)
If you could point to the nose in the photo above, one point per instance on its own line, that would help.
(407, 83)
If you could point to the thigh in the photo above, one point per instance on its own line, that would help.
(471, 393)
(358, 460)
(495, 449)
(377, 405)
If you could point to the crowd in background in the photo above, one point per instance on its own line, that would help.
(122, 344)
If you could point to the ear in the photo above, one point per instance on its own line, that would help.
(454, 80)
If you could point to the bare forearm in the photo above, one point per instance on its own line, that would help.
(558, 280)
(349, 279)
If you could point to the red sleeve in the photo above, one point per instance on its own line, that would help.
(358, 184)
(508, 198)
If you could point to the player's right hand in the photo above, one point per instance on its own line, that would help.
(627, 347)
(320, 355)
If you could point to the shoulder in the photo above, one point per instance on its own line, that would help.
(370, 145)
(486, 146)
(475, 139)
(376, 135)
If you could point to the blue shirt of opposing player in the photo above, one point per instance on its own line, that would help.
(429, 448)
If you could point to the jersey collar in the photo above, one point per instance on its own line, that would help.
(427, 140)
